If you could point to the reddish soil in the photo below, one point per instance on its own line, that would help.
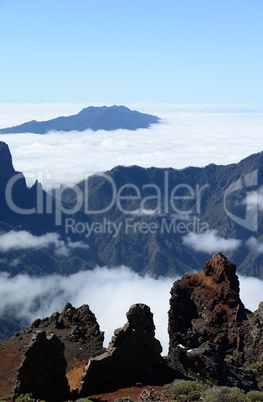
(132, 392)
(74, 375)
(10, 358)
(12, 351)
(74, 379)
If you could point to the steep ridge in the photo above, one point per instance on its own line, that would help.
(34, 211)
(143, 232)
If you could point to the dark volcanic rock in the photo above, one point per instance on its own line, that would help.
(94, 118)
(212, 336)
(132, 356)
(43, 369)
(206, 364)
(5, 158)
(76, 327)
(206, 307)
(250, 341)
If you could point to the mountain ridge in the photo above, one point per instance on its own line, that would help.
(93, 118)
(161, 252)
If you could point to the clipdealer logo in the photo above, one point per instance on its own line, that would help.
(131, 200)
(247, 182)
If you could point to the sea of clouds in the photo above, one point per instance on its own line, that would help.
(193, 135)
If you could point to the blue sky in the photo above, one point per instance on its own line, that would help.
(205, 51)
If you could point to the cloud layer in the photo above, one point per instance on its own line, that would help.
(23, 240)
(108, 292)
(188, 135)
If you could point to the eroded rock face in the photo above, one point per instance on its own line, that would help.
(77, 328)
(43, 369)
(206, 307)
(205, 363)
(250, 340)
(212, 336)
(132, 356)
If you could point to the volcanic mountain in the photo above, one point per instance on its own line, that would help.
(93, 118)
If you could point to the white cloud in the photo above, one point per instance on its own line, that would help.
(254, 244)
(108, 292)
(22, 240)
(210, 242)
(254, 198)
(251, 292)
(15, 262)
(188, 135)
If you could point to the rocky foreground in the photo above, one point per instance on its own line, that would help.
(213, 339)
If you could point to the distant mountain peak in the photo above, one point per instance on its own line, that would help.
(93, 118)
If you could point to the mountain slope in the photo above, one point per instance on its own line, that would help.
(93, 118)
(168, 241)
(151, 220)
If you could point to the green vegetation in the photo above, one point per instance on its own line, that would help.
(24, 398)
(183, 391)
(226, 394)
(255, 396)
(83, 400)
(187, 391)
(257, 368)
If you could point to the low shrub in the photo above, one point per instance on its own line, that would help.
(225, 394)
(183, 390)
(255, 396)
(257, 368)
(24, 398)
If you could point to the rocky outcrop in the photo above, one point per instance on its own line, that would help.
(43, 369)
(212, 336)
(206, 307)
(250, 339)
(206, 364)
(77, 328)
(133, 356)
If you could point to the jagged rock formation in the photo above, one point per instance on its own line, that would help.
(43, 369)
(76, 327)
(250, 339)
(208, 324)
(206, 306)
(132, 356)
